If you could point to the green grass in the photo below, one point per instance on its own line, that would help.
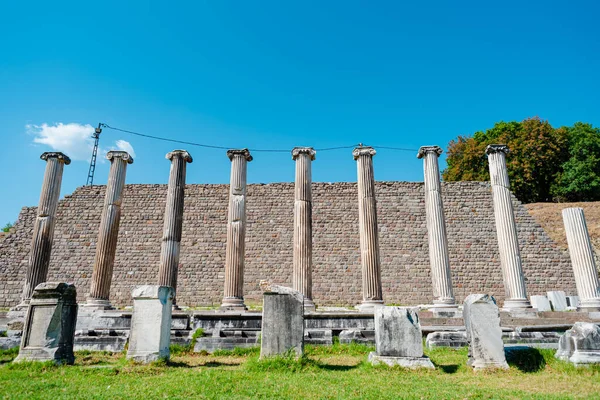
(339, 371)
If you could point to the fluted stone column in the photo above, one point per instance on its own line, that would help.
(582, 258)
(506, 229)
(302, 272)
(369, 237)
(233, 296)
(171, 240)
(436, 228)
(109, 230)
(43, 228)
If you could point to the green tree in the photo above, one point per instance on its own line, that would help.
(579, 179)
(7, 227)
(537, 154)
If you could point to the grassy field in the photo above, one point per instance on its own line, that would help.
(324, 373)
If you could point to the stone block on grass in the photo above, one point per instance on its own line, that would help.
(282, 322)
(484, 335)
(150, 334)
(580, 345)
(398, 338)
(49, 329)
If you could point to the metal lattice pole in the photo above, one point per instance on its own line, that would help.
(96, 137)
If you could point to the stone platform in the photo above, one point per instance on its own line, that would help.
(109, 330)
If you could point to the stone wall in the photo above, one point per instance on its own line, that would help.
(337, 277)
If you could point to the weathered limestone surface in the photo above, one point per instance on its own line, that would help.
(233, 295)
(150, 333)
(573, 302)
(302, 271)
(43, 229)
(398, 338)
(172, 228)
(369, 235)
(541, 303)
(580, 345)
(109, 231)
(282, 323)
(49, 329)
(405, 268)
(506, 228)
(582, 258)
(482, 323)
(439, 257)
(446, 339)
(558, 300)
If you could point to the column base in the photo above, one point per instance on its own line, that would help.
(233, 304)
(98, 304)
(368, 306)
(444, 302)
(516, 304)
(309, 305)
(589, 305)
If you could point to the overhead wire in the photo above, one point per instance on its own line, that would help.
(209, 146)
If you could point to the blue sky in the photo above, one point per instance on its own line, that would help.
(272, 74)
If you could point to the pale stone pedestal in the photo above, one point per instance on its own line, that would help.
(49, 329)
(558, 300)
(540, 303)
(150, 323)
(369, 306)
(482, 323)
(282, 322)
(398, 338)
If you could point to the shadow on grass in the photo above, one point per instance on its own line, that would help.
(448, 369)
(209, 364)
(334, 367)
(525, 359)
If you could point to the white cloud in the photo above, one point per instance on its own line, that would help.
(125, 146)
(73, 139)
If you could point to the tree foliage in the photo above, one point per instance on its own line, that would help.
(7, 227)
(544, 163)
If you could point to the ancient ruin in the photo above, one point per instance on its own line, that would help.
(109, 231)
(506, 227)
(212, 245)
(436, 228)
(43, 229)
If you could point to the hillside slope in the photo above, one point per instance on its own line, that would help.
(549, 216)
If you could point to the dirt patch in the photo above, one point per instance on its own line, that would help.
(549, 216)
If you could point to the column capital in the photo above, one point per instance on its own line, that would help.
(56, 154)
(496, 148)
(179, 153)
(239, 152)
(437, 150)
(125, 156)
(363, 151)
(296, 151)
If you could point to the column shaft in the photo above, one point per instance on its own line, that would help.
(109, 230)
(582, 258)
(302, 268)
(43, 228)
(233, 295)
(506, 229)
(369, 238)
(436, 228)
(173, 220)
